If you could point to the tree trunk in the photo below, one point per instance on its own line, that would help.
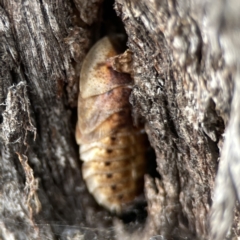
(185, 70)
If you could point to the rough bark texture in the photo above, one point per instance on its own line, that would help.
(187, 86)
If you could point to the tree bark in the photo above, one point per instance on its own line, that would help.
(186, 88)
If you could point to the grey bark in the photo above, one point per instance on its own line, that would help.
(186, 72)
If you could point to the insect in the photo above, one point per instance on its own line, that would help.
(111, 148)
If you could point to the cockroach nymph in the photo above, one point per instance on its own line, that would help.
(111, 148)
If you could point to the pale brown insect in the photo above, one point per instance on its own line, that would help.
(111, 148)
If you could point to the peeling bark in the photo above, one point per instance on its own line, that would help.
(183, 57)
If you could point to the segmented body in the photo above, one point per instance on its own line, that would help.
(111, 148)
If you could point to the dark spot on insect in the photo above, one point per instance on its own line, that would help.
(114, 187)
(121, 113)
(107, 163)
(109, 175)
(109, 151)
(120, 197)
(99, 65)
(113, 138)
(110, 92)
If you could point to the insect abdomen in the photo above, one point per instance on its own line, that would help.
(111, 148)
